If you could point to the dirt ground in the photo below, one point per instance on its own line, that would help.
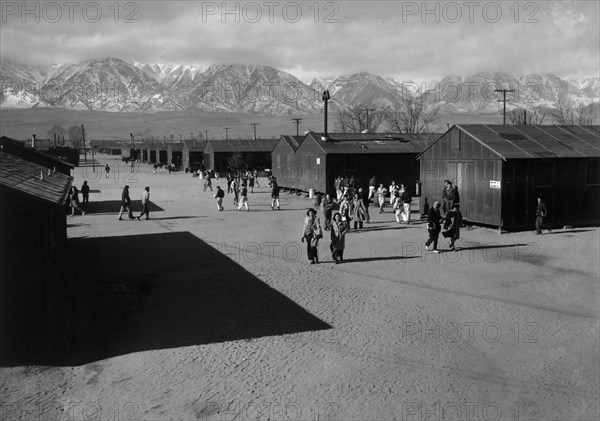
(200, 314)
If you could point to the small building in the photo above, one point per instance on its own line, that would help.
(256, 153)
(44, 159)
(161, 153)
(193, 154)
(175, 154)
(501, 169)
(316, 162)
(33, 245)
(283, 159)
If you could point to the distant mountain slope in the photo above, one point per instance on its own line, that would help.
(111, 84)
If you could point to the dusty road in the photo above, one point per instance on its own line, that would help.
(199, 314)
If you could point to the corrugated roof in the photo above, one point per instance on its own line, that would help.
(178, 147)
(196, 146)
(528, 141)
(24, 176)
(372, 143)
(33, 155)
(293, 141)
(514, 142)
(243, 145)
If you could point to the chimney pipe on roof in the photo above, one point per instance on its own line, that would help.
(33, 141)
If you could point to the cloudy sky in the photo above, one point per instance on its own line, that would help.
(402, 39)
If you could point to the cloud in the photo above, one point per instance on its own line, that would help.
(406, 40)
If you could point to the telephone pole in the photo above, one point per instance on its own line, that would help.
(83, 139)
(326, 97)
(254, 125)
(504, 91)
(297, 121)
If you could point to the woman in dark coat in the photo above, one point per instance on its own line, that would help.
(434, 226)
(339, 229)
(358, 212)
(311, 232)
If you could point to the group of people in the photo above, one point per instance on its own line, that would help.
(126, 204)
(238, 185)
(451, 219)
(73, 198)
(312, 232)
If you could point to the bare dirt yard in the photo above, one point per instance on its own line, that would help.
(200, 314)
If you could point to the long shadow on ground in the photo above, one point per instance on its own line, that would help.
(147, 292)
(113, 206)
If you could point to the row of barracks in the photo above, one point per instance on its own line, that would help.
(499, 170)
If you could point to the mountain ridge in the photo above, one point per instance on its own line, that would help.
(112, 84)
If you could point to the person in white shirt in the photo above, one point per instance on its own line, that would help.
(145, 204)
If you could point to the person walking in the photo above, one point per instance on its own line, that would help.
(145, 204)
(236, 191)
(434, 227)
(452, 224)
(372, 187)
(406, 199)
(229, 178)
(107, 170)
(365, 198)
(358, 212)
(381, 193)
(540, 214)
(125, 204)
(251, 181)
(345, 210)
(275, 196)
(243, 198)
(75, 201)
(219, 195)
(397, 206)
(447, 196)
(327, 206)
(85, 193)
(311, 232)
(339, 229)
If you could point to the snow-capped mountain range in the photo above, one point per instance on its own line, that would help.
(111, 84)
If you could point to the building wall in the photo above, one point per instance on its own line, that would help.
(33, 246)
(309, 168)
(570, 188)
(470, 166)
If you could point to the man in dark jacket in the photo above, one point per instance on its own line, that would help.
(275, 196)
(540, 214)
(447, 196)
(125, 204)
(434, 226)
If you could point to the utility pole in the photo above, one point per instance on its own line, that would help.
(297, 121)
(93, 161)
(504, 91)
(254, 124)
(326, 97)
(367, 124)
(227, 133)
(205, 134)
(83, 139)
